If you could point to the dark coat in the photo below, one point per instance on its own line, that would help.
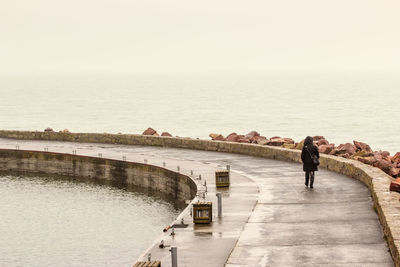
(306, 158)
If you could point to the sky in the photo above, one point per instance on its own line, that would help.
(199, 36)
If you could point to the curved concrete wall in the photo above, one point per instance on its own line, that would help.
(386, 203)
(151, 178)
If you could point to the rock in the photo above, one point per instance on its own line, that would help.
(322, 142)
(367, 160)
(362, 153)
(288, 140)
(243, 139)
(346, 149)
(156, 134)
(317, 138)
(166, 134)
(396, 158)
(48, 129)
(300, 145)
(326, 149)
(262, 141)
(219, 138)
(289, 146)
(276, 142)
(233, 137)
(395, 185)
(213, 135)
(149, 131)
(252, 134)
(65, 131)
(383, 165)
(275, 137)
(394, 172)
(362, 146)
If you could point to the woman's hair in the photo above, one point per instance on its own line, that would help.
(308, 141)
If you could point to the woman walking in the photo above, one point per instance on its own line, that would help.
(310, 164)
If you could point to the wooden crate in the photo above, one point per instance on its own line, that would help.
(202, 212)
(222, 178)
(147, 264)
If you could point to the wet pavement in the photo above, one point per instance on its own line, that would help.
(269, 217)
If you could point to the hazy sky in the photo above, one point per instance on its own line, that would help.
(186, 35)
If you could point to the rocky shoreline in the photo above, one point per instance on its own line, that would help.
(357, 150)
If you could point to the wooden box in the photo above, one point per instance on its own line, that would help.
(222, 178)
(202, 212)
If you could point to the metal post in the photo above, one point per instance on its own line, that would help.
(149, 257)
(178, 168)
(228, 167)
(219, 197)
(191, 172)
(174, 256)
(199, 176)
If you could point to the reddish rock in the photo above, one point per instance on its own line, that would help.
(362, 146)
(394, 172)
(149, 131)
(396, 158)
(276, 142)
(252, 134)
(346, 149)
(326, 149)
(383, 165)
(367, 160)
(166, 134)
(395, 185)
(318, 137)
(217, 137)
(255, 139)
(288, 140)
(242, 139)
(322, 142)
(262, 141)
(233, 137)
(275, 137)
(48, 129)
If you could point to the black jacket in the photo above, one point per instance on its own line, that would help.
(306, 158)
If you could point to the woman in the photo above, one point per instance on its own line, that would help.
(308, 166)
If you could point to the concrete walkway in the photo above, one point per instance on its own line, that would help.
(270, 217)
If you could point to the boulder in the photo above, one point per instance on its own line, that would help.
(48, 129)
(276, 142)
(367, 160)
(362, 146)
(262, 141)
(289, 146)
(233, 137)
(252, 134)
(166, 134)
(346, 149)
(396, 158)
(288, 140)
(65, 131)
(326, 149)
(363, 153)
(243, 139)
(149, 131)
(317, 138)
(394, 172)
(383, 165)
(218, 137)
(322, 142)
(300, 145)
(213, 135)
(395, 185)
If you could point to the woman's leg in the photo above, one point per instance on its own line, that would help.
(312, 174)
(307, 178)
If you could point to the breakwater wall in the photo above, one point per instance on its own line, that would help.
(386, 203)
(149, 178)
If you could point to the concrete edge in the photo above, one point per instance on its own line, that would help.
(386, 203)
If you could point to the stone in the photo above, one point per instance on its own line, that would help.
(396, 158)
(362, 146)
(362, 153)
(318, 137)
(395, 185)
(233, 137)
(300, 145)
(65, 131)
(384, 165)
(242, 139)
(367, 160)
(276, 142)
(262, 141)
(326, 149)
(322, 142)
(213, 135)
(48, 129)
(346, 149)
(218, 138)
(394, 172)
(288, 140)
(166, 134)
(149, 131)
(252, 134)
(289, 146)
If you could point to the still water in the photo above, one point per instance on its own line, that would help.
(55, 222)
(340, 106)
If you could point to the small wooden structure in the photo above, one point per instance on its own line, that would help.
(147, 264)
(202, 212)
(222, 178)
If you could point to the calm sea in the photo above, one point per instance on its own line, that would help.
(340, 106)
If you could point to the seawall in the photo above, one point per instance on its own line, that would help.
(149, 178)
(386, 203)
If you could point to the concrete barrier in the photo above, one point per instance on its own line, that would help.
(386, 203)
(151, 179)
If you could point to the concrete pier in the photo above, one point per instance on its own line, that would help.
(269, 217)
